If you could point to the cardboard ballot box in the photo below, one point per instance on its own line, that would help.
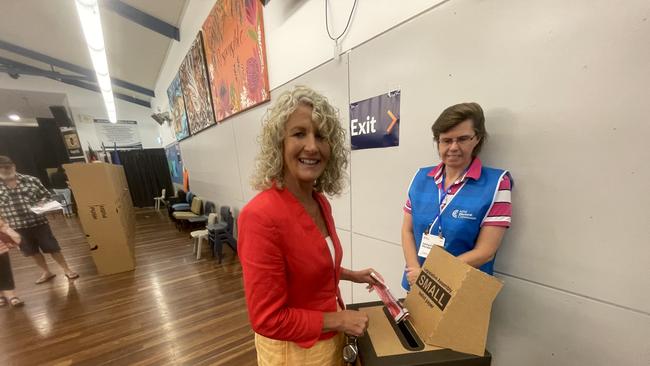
(450, 308)
(106, 214)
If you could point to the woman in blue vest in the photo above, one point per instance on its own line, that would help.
(458, 204)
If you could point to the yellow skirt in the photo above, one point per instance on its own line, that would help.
(271, 352)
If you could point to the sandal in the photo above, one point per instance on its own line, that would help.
(44, 279)
(16, 302)
(3, 301)
(72, 275)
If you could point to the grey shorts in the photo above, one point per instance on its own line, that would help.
(38, 237)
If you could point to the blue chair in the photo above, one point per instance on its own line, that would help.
(180, 205)
(184, 206)
(222, 232)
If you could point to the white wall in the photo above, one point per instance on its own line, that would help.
(86, 102)
(296, 38)
(567, 118)
(564, 86)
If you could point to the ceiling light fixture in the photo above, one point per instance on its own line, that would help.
(14, 117)
(88, 11)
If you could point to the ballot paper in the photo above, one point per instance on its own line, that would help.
(46, 207)
(395, 308)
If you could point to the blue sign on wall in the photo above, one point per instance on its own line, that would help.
(374, 122)
(175, 162)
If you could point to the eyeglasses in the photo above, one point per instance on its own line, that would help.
(460, 140)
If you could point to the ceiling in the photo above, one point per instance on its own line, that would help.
(29, 104)
(135, 53)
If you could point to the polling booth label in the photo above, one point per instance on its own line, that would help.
(98, 210)
(374, 122)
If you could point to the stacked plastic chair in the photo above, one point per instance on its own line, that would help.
(199, 235)
(222, 232)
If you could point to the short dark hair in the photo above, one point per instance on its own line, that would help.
(5, 160)
(457, 114)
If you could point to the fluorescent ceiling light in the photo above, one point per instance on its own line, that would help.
(88, 11)
(14, 117)
(25, 122)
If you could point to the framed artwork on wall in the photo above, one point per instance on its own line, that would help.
(235, 54)
(195, 88)
(177, 107)
(175, 162)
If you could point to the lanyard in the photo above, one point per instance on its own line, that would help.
(442, 195)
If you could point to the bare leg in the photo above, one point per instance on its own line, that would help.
(41, 263)
(58, 257)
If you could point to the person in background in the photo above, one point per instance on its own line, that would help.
(59, 179)
(18, 193)
(8, 239)
(59, 182)
(458, 204)
(288, 245)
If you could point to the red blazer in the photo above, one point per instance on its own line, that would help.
(289, 277)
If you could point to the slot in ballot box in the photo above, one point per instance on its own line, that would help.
(386, 344)
(449, 307)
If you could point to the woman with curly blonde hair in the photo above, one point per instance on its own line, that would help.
(288, 246)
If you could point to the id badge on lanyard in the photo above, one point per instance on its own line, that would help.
(428, 239)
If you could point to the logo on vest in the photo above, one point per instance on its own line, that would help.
(463, 215)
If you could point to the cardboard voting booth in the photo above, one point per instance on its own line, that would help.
(449, 307)
(106, 214)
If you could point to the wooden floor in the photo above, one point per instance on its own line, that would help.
(172, 309)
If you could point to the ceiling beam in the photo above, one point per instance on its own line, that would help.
(17, 68)
(71, 67)
(44, 73)
(95, 88)
(141, 18)
(68, 79)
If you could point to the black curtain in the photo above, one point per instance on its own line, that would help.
(22, 145)
(147, 173)
(52, 143)
(34, 149)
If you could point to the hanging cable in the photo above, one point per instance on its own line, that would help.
(335, 39)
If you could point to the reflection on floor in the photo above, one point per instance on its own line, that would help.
(172, 309)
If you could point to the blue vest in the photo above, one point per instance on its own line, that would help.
(461, 218)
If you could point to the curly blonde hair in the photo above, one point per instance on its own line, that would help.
(269, 165)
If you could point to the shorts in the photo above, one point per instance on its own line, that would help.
(38, 237)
